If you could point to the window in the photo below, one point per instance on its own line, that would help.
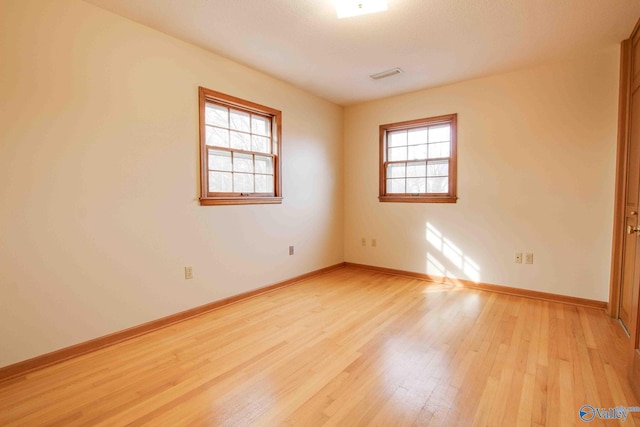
(239, 151)
(418, 161)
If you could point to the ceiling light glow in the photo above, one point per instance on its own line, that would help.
(348, 8)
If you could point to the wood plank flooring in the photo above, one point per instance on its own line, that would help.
(348, 348)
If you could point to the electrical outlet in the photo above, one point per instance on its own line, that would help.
(364, 241)
(188, 273)
(374, 243)
(290, 250)
(529, 258)
(518, 259)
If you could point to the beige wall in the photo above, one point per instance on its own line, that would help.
(98, 165)
(536, 174)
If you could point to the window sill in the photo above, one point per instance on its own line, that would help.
(419, 199)
(210, 201)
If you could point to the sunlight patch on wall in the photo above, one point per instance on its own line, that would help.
(446, 259)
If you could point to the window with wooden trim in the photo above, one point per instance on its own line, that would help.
(418, 160)
(239, 151)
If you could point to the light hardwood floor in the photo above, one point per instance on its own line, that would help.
(351, 347)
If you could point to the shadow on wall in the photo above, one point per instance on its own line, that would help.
(446, 259)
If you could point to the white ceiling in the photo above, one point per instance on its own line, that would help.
(435, 42)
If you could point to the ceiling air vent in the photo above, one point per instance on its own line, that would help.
(388, 73)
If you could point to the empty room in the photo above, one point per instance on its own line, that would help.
(319, 212)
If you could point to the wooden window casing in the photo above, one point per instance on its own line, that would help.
(418, 164)
(240, 160)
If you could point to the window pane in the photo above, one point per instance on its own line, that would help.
(264, 165)
(217, 137)
(243, 183)
(264, 183)
(399, 153)
(260, 144)
(397, 139)
(219, 160)
(396, 170)
(242, 162)
(395, 185)
(217, 115)
(440, 133)
(220, 182)
(438, 185)
(439, 168)
(418, 136)
(439, 150)
(416, 169)
(240, 121)
(416, 185)
(417, 152)
(240, 141)
(260, 125)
